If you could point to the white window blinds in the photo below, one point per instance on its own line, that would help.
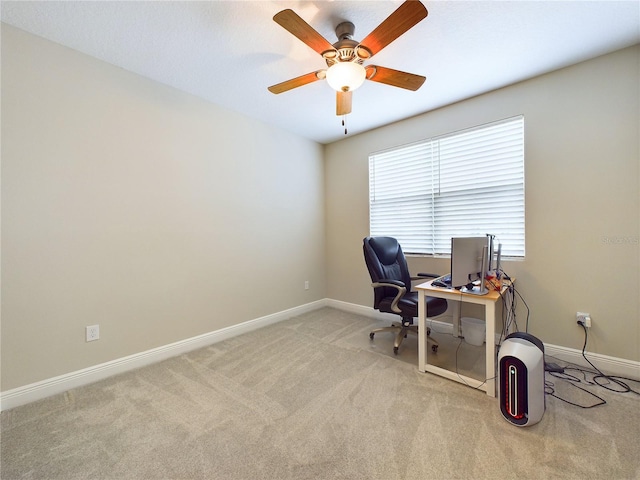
(463, 184)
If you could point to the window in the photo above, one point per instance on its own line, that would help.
(465, 183)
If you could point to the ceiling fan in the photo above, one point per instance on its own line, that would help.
(346, 57)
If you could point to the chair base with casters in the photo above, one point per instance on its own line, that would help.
(401, 330)
(391, 284)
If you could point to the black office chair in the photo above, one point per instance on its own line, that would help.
(392, 288)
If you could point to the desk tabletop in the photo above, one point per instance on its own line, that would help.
(444, 292)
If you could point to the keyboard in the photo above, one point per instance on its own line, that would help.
(443, 281)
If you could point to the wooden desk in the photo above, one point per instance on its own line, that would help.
(489, 301)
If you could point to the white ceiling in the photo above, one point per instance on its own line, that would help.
(229, 52)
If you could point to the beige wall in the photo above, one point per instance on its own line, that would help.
(131, 205)
(582, 199)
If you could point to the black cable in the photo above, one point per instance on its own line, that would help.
(611, 378)
(504, 317)
(509, 310)
(597, 374)
(512, 289)
(550, 390)
(527, 307)
(596, 371)
(459, 375)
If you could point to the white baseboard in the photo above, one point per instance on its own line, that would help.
(52, 386)
(608, 365)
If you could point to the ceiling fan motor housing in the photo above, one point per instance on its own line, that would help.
(345, 30)
(346, 49)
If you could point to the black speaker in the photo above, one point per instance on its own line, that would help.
(521, 379)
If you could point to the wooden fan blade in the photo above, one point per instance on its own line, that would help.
(343, 102)
(406, 16)
(295, 25)
(395, 78)
(297, 82)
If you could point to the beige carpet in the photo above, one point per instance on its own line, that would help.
(311, 398)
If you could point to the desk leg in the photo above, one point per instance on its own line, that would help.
(455, 311)
(422, 331)
(490, 365)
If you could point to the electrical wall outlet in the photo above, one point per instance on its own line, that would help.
(306, 284)
(93, 333)
(584, 318)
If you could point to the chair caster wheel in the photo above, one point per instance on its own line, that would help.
(434, 348)
(395, 350)
(371, 335)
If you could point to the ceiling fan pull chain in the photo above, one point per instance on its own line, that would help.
(344, 123)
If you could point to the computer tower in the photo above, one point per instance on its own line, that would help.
(521, 379)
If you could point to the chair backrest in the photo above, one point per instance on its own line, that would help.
(384, 259)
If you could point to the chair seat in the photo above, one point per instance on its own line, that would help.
(409, 305)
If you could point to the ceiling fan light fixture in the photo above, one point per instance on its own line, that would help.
(345, 76)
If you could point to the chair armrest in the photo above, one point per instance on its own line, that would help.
(422, 276)
(386, 282)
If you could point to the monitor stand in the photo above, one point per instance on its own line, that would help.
(482, 288)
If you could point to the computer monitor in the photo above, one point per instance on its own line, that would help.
(469, 257)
